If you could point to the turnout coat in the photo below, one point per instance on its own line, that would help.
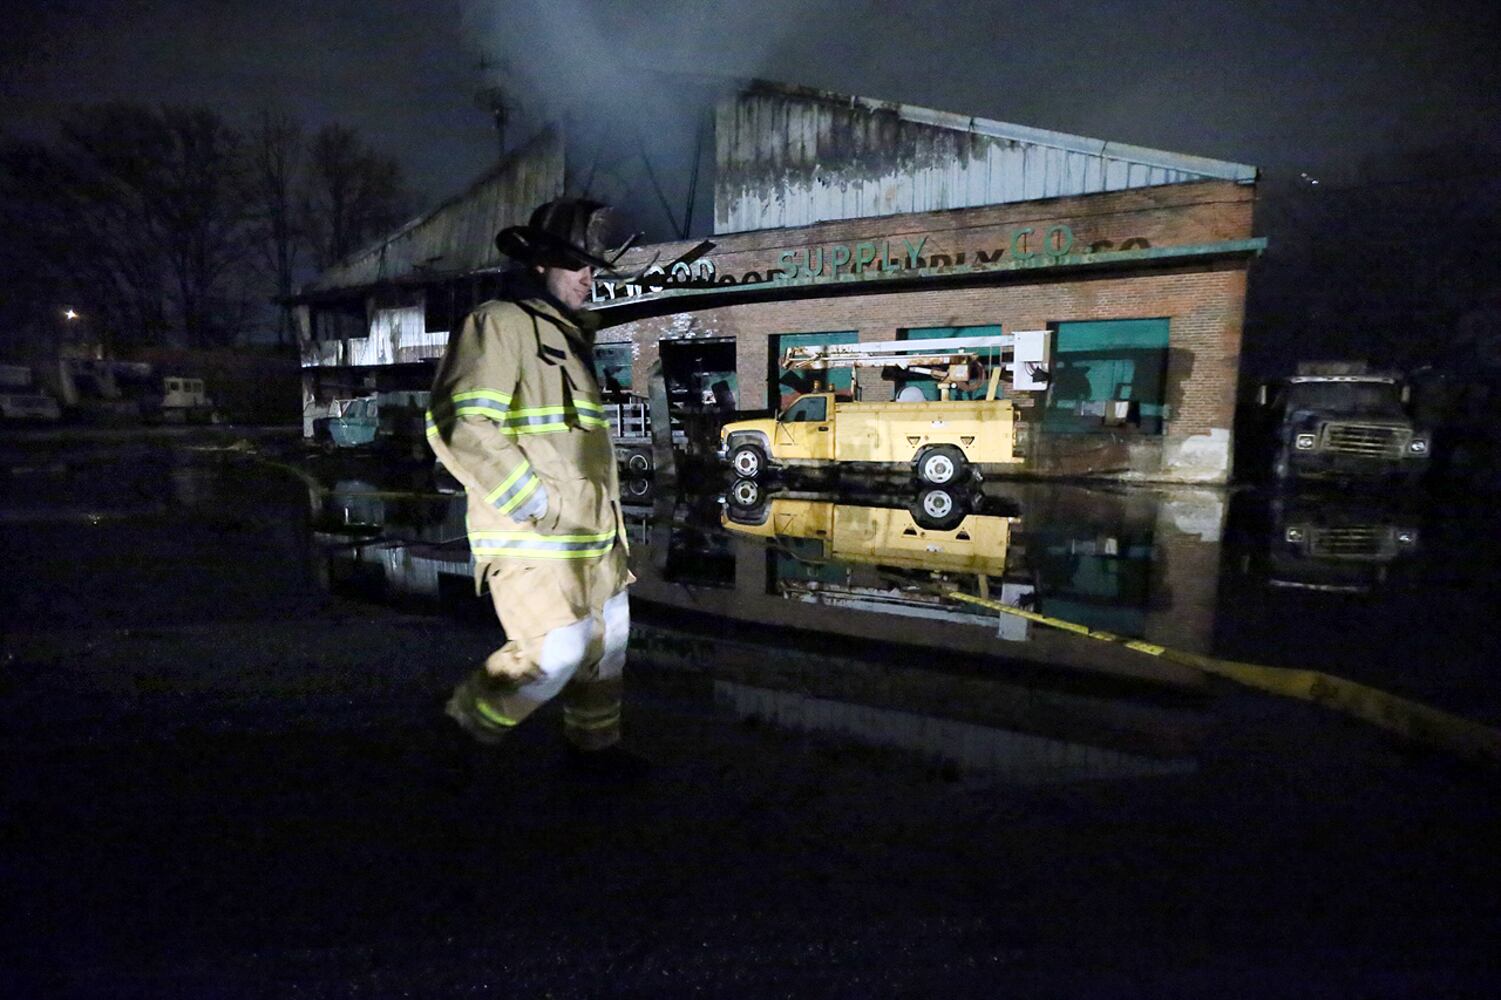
(516, 406)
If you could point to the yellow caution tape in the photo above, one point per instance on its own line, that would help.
(1411, 720)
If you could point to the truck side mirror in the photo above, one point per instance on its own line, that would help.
(1261, 394)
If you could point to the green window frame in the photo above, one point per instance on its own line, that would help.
(783, 386)
(1096, 362)
(613, 364)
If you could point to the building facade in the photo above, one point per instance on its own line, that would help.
(844, 220)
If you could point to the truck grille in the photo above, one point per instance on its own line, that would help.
(1352, 541)
(1370, 440)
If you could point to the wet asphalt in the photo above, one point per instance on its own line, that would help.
(226, 776)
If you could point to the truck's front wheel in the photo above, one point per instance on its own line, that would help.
(745, 494)
(748, 461)
(941, 466)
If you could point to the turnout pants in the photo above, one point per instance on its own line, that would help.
(567, 624)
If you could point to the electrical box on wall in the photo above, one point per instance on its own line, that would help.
(1032, 356)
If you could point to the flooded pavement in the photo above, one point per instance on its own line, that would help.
(228, 772)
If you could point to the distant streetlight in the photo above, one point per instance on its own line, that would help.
(69, 314)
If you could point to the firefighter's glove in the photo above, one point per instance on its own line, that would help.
(533, 507)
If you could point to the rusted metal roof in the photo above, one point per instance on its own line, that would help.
(458, 237)
(791, 156)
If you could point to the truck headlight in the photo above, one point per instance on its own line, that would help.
(1418, 446)
(1293, 534)
(1407, 536)
(1304, 442)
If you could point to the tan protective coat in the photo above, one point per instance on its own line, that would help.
(515, 406)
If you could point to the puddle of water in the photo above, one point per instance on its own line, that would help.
(1349, 585)
(1276, 580)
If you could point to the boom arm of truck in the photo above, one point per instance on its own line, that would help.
(950, 361)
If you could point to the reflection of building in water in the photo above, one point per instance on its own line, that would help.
(388, 543)
(1136, 561)
(894, 560)
(1155, 553)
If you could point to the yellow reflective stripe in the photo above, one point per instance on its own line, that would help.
(492, 715)
(504, 534)
(538, 411)
(510, 480)
(585, 714)
(478, 400)
(524, 491)
(589, 727)
(519, 485)
(537, 429)
(544, 554)
(534, 545)
(499, 397)
(523, 553)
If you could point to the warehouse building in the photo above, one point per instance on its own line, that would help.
(840, 219)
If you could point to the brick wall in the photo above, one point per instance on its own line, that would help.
(1204, 310)
(1204, 303)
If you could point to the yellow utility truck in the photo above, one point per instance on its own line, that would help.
(941, 440)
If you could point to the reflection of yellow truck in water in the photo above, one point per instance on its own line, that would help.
(940, 440)
(885, 536)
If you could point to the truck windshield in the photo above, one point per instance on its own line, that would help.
(1376, 398)
(807, 408)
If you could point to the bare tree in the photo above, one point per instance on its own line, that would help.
(157, 222)
(204, 219)
(354, 195)
(277, 175)
(161, 194)
(81, 230)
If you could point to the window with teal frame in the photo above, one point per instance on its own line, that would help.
(928, 386)
(612, 363)
(783, 386)
(1108, 361)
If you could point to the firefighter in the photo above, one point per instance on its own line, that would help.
(516, 417)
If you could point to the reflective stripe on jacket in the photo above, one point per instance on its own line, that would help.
(515, 405)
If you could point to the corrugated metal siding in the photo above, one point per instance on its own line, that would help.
(459, 235)
(789, 157)
(397, 336)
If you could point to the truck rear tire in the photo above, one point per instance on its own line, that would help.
(942, 466)
(748, 461)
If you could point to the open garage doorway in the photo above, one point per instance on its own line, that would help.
(702, 389)
(700, 375)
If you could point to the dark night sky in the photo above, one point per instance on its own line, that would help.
(1287, 86)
